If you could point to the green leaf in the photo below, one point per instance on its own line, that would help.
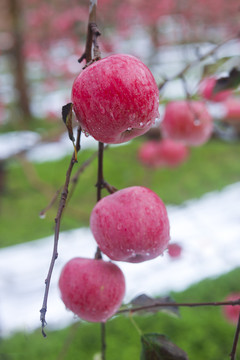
(228, 82)
(155, 304)
(67, 119)
(158, 347)
(216, 67)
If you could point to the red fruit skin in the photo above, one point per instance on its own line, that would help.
(92, 289)
(172, 153)
(148, 154)
(174, 250)
(232, 106)
(230, 312)
(206, 90)
(189, 122)
(164, 153)
(131, 225)
(116, 99)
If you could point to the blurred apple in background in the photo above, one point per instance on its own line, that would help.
(206, 88)
(187, 121)
(174, 250)
(163, 153)
(230, 312)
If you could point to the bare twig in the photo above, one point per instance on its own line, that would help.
(103, 341)
(174, 304)
(92, 35)
(56, 235)
(235, 341)
(194, 63)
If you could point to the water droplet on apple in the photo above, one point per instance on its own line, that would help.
(42, 215)
(141, 124)
(197, 122)
(129, 129)
(85, 133)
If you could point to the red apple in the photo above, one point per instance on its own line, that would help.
(231, 312)
(92, 289)
(174, 250)
(232, 107)
(148, 154)
(172, 153)
(116, 99)
(206, 90)
(187, 121)
(164, 153)
(131, 225)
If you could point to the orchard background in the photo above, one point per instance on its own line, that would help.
(182, 42)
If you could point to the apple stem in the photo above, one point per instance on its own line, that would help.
(61, 207)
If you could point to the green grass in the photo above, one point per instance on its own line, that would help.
(202, 332)
(210, 167)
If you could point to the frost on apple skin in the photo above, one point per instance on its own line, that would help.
(131, 225)
(116, 99)
(92, 289)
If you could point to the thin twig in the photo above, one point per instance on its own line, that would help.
(92, 35)
(56, 235)
(194, 63)
(98, 255)
(235, 341)
(174, 304)
(103, 341)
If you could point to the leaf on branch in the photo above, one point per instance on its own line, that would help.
(67, 119)
(228, 82)
(158, 347)
(210, 69)
(145, 300)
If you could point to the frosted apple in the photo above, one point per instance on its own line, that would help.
(187, 121)
(206, 90)
(164, 153)
(92, 289)
(231, 313)
(131, 225)
(116, 99)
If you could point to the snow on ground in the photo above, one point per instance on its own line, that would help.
(208, 230)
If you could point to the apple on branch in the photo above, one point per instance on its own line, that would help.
(187, 121)
(131, 225)
(115, 99)
(92, 289)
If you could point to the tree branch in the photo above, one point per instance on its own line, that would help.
(190, 65)
(174, 304)
(56, 235)
(235, 341)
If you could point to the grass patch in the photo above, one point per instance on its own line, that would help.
(202, 332)
(29, 188)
